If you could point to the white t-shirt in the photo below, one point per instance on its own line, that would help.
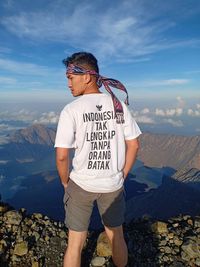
(89, 126)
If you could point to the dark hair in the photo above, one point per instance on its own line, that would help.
(82, 59)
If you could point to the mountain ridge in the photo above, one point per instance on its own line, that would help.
(160, 150)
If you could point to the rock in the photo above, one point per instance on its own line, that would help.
(62, 234)
(168, 250)
(162, 243)
(12, 217)
(159, 227)
(21, 248)
(36, 235)
(197, 262)
(35, 264)
(103, 246)
(197, 222)
(37, 215)
(191, 249)
(98, 261)
(177, 264)
(171, 235)
(177, 241)
(190, 222)
(175, 225)
(36, 241)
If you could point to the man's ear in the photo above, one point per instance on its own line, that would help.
(87, 78)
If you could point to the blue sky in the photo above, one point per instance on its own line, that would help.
(152, 46)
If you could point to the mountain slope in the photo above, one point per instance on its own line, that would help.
(159, 150)
(191, 177)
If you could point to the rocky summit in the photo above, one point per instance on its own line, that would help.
(37, 241)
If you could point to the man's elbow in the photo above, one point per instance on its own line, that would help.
(133, 144)
(62, 155)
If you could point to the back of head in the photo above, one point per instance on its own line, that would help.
(84, 59)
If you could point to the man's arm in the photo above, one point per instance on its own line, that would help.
(132, 147)
(62, 163)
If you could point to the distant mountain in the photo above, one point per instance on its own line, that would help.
(35, 134)
(177, 152)
(191, 177)
(170, 199)
(29, 144)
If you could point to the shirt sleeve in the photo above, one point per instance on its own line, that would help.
(131, 129)
(65, 135)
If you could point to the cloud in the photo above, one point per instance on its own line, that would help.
(20, 115)
(145, 111)
(174, 123)
(141, 116)
(145, 119)
(125, 31)
(169, 112)
(3, 140)
(159, 83)
(5, 50)
(134, 113)
(170, 82)
(181, 102)
(50, 117)
(7, 80)
(193, 113)
(160, 112)
(23, 68)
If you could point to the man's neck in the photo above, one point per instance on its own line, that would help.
(92, 89)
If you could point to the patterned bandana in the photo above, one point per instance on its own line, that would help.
(107, 82)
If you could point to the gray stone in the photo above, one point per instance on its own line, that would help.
(175, 225)
(168, 250)
(197, 222)
(191, 248)
(62, 234)
(36, 235)
(177, 241)
(197, 261)
(162, 243)
(21, 248)
(37, 216)
(103, 246)
(98, 261)
(12, 217)
(159, 227)
(177, 264)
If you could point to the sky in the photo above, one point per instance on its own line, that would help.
(151, 46)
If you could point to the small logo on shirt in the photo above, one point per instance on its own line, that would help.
(99, 107)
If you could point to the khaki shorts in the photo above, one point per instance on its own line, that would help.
(79, 205)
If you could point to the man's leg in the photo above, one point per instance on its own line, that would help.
(78, 208)
(119, 248)
(112, 207)
(75, 245)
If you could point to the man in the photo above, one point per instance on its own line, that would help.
(104, 135)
